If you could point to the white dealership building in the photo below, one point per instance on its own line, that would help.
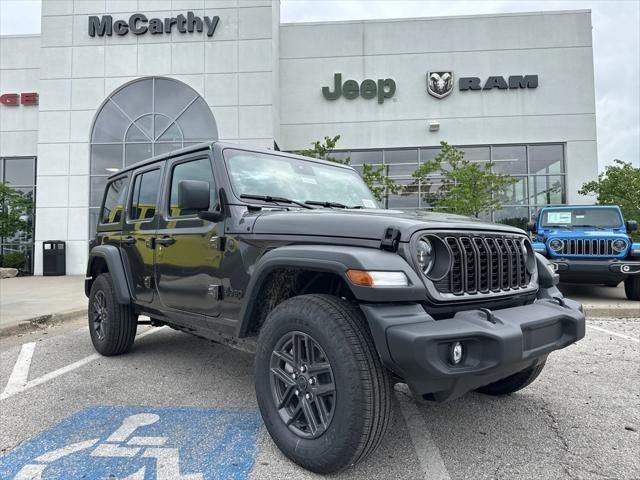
(118, 81)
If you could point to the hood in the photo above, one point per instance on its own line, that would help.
(366, 224)
(586, 232)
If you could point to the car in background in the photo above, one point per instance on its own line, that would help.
(589, 244)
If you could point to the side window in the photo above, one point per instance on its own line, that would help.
(194, 170)
(145, 192)
(114, 201)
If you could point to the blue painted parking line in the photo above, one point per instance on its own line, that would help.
(140, 443)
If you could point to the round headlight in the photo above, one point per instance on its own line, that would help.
(424, 255)
(619, 245)
(556, 245)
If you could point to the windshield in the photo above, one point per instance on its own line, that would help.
(582, 217)
(254, 173)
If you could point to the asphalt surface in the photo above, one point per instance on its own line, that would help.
(580, 419)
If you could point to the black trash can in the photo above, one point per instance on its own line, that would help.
(54, 258)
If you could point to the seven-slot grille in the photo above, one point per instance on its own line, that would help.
(582, 246)
(484, 263)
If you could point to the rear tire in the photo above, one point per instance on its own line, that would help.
(112, 325)
(351, 421)
(632, 287)
(515, 382)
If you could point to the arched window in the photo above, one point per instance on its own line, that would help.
(142, 119)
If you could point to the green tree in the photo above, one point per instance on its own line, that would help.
(619, 184)
(15, 210)
(374, 177)
(465, 187)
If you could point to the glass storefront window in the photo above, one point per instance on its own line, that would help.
(372, 157)
(16, 249)
(510, 159)
(514, 216)
(409, 198)
(546, 159)
(19, 171)
(145, 118)
(546, 190)
(516, 194)
(481, 155)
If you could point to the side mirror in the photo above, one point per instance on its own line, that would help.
(531, 226)
(631, 225)
(193, 195)
(220, 213)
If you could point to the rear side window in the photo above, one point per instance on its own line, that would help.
(145, 193)
(193, 170)
(114, 201)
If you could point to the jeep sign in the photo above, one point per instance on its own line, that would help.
(384, 88)
(139, 24)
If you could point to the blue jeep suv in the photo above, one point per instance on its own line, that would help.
(589, 244)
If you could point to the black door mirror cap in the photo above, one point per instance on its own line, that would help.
(632, 226)
(531, 226)
(220, 213)
(211, 216)
(193, 195)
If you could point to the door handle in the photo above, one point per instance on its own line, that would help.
(165, 241)
(128, 241)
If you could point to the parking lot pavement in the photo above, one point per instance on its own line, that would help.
(177, 406)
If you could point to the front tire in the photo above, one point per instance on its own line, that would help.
(632, 287)
(515, 382)
(323, 393)
(112, 326)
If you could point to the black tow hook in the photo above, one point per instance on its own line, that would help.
(560, 301)
(489, 314)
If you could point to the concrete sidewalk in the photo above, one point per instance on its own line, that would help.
(28, 300)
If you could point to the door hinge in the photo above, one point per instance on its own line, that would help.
(218, 243)
(148, 282)
(215, 291)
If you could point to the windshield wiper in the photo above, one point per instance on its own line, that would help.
(557, 226)
(270, 199)
(327, 204)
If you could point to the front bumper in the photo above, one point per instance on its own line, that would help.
(594, 271)
(497, 344)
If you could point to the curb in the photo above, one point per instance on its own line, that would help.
(611, 312)
(41, 322)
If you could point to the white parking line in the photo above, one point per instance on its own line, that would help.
(426, 450)
(621, 335)
(56, 373)
(20, 372)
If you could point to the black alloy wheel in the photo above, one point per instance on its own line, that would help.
(99, 315)
(302, 384)
(112, 325)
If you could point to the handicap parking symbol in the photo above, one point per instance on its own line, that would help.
(140, 443)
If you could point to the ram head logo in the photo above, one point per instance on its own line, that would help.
(439, 84)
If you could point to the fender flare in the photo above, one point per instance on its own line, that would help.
(111, 255)
(336, 260)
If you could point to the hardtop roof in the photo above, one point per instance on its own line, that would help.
(223, 145)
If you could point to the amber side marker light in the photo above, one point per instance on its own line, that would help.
(364, 278)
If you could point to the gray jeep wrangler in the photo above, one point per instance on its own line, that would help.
(290, 257)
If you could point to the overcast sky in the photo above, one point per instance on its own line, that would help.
(616, 47)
